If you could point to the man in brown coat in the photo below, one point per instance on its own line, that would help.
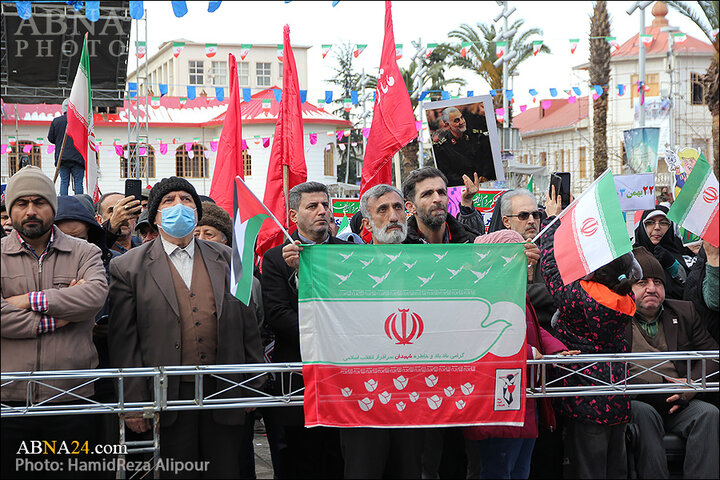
(170, 305)
(52, 287)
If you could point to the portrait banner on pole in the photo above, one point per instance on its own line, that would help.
(413, 335)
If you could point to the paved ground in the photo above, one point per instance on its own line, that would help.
(263, 464)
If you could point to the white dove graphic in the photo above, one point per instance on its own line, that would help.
(481, 255)
(508, 259)
(455, 272)
(439, 257)
(393, 257)
(409, 265)
(378, 280)
(365, 264)
(343, 277)
(345, 257)
(426, 280)
(480, 275)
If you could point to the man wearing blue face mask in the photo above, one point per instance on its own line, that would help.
(170, 305)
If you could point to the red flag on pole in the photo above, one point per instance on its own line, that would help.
(229, 162)
(287, 152)
(393, 124)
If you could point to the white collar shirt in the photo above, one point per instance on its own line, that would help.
(181, 258)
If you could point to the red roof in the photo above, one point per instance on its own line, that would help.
(561, 114)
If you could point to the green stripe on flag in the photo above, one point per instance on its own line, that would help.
(611, 218)
(693, 189)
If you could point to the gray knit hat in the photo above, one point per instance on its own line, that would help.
(30, 180)
(215, 216)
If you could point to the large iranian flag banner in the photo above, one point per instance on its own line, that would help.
(413, 335)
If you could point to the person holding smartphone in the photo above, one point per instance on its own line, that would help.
(117, 214)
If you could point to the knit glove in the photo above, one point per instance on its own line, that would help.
(664, 257)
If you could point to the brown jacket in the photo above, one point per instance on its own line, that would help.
(67, 348)
(145, 324)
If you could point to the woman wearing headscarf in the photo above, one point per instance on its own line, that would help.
(657, 234)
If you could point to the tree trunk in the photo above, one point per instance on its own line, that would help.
(409, 157)
(710, 82)
(600, 75)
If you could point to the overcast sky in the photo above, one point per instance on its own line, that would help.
(316, 23)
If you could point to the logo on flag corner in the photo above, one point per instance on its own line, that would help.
(508, 383)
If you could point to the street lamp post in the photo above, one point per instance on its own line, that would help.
(641, 53)
(505, 34)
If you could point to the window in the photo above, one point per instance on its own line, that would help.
(18, 158)
(247, 164)
(243, 74)
(280, 68)
(195, 67)
(652, 80)
(262, 70)
(219, 73)
(582, 161)
(329, 160)
(557, 161)
(195, 167)
(133, 166)
(698, 89)
(561, 164)
(543, 159)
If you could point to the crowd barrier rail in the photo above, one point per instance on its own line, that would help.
(543, 383)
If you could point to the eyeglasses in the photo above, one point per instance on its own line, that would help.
(652, 223)
(526, 215)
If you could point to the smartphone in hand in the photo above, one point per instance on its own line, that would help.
(561, 182)
(133, 188)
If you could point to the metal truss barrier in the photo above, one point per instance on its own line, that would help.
(544, 383)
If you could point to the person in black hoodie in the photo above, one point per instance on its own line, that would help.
(72, 161)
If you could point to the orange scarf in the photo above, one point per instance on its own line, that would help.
(604, 296)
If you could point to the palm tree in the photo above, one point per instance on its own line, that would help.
(482, 53)
(705, 15)
(600, 75)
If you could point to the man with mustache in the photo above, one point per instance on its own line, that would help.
(118, 214)
(664, 325)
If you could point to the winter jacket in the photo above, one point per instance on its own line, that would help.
(694, 294)
(67, 348)
(55, 136)
(546, 344)
(591, 318)
(455, 231)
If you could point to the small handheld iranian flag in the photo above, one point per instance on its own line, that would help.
(593, 232)
(574, 42)
(140, 49)
(211, 49)
(696, 206)
(250, 213)
(325, 50)
(80, 125)
(679, 37)
(500, 48)
(177, 48)
(379, 348)
(244, 50)
(398, 51)
(646, 39)
(155, 102)
(537, 45)
(280, 52)
(465, 48)
(430, 49)
(359, 48)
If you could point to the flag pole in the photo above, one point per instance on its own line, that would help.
(566, 209)
(284, 231)
(286, 180)
(62, 148)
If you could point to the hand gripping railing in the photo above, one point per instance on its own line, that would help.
(565, 367)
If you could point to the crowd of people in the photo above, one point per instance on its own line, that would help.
(142, 283)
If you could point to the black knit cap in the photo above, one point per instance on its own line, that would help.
(167, 185)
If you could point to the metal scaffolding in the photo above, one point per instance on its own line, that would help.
(138, 151)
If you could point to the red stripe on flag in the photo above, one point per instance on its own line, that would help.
(77, 129)
(710, 233)
(568, 254)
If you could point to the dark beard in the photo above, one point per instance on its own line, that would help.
(433, 222)
(34, 232)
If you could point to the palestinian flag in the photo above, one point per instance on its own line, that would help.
(211, 49)
(177, 48)
(696, 206)
(679, 38)
(244, 50)
(398, 51)
(574, 42)
(325, 50)
(465, 48)
(280, 52)
(593, 232)
(537, 45)
(80, 124)
(430, 49)
(380, 350)
(646, 39)
(359, 48)
(155, 102)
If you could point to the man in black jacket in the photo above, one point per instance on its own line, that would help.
(314, 452)
(701, 287)
(72, 161)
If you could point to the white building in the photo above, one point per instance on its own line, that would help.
(561, 136)
(197, 123)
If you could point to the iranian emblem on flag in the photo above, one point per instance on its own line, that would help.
(696, 206)
(415, 366)
(574, 42)
(155, 102)
(359, 48)
(464, 48)
(500, 48)
(211, 49)
(398, 51)
(537, 45)
(244, 50)
(280, 52)
(679, 37)
(430, 49)
(646, 39)
(325, 50)
(177, 48)
(141, 49)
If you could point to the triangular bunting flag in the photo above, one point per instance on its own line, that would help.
(574, 44)
(177, 48)
(465, 48)
(359, 48)
(155, 102)
(325, 50)
(679, 38)
(244, 50)
(210, 49)
(141, 49)
(398, 51)
(612, 41)
(280, 52)
(646, 39)
(500, 48)
(537, 45)
(430, 49)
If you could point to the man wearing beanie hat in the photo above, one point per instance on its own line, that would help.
(665, 325)
(52, 287)
(215, 224)
(187, 317)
